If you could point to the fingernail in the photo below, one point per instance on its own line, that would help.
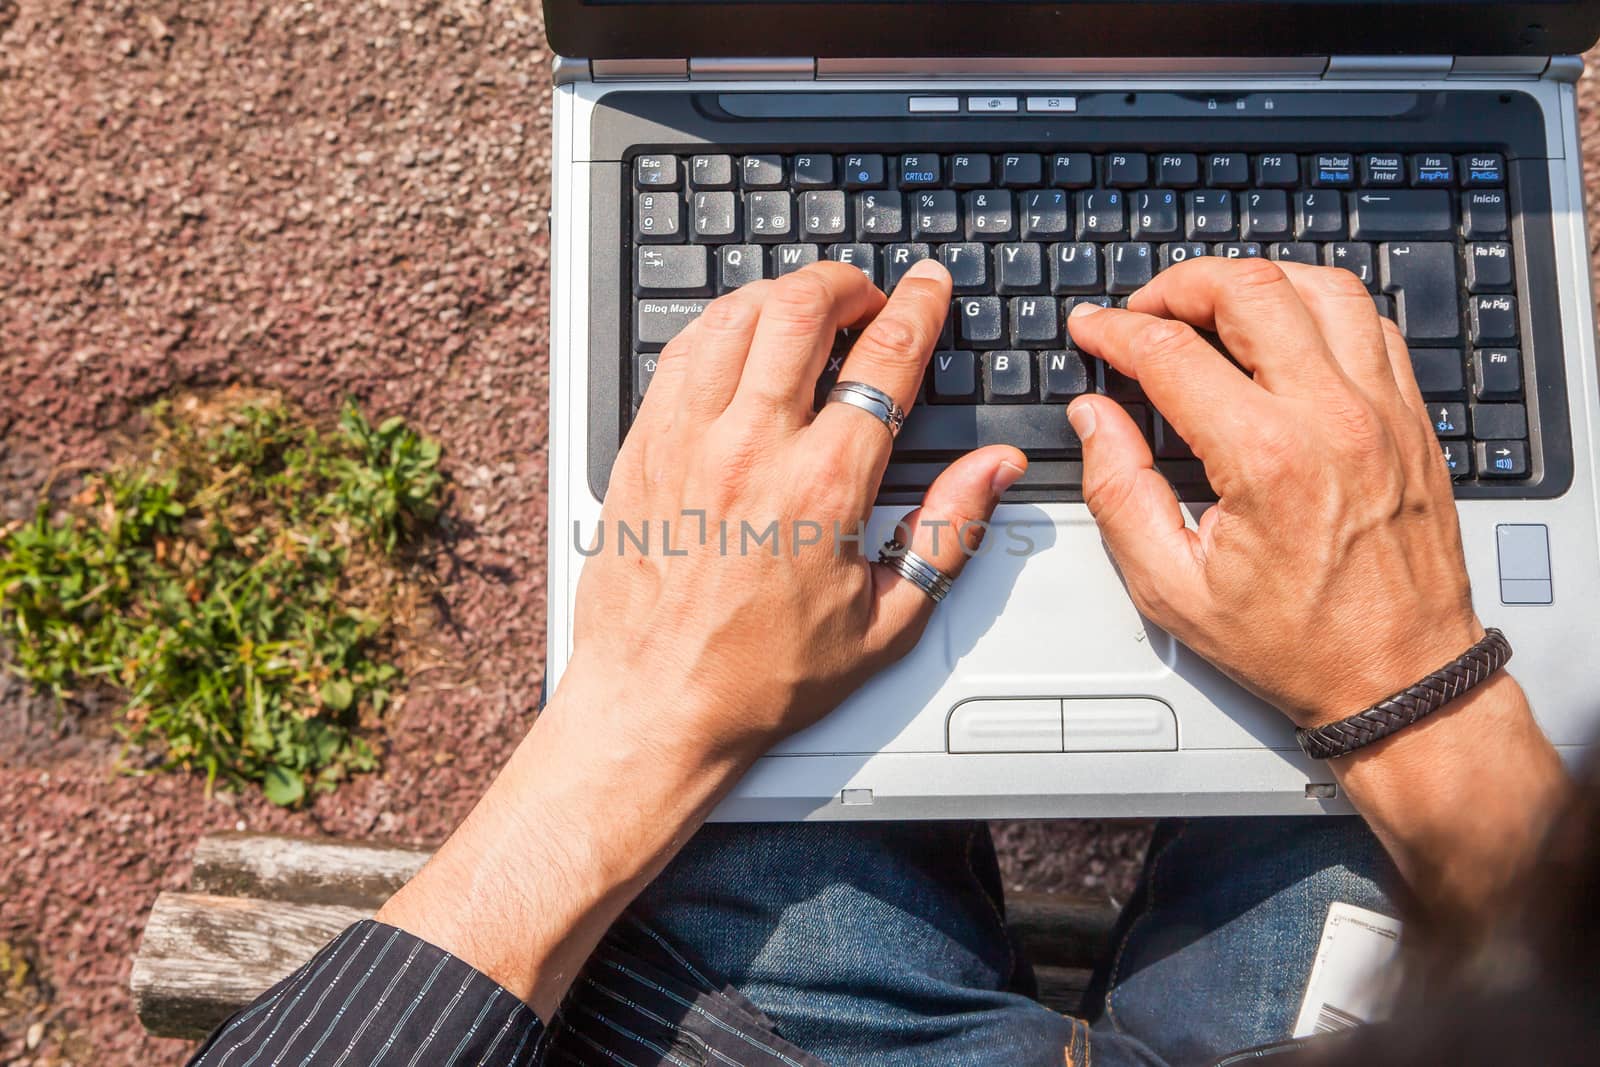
(1082, 418)
(930, 269)
(1004, 478)
(1085, 308)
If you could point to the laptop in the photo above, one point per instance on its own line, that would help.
(1056, 152)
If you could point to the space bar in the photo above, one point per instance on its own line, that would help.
(1035, 428)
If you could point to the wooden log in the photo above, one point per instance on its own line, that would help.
(204, 957)
(303, 870)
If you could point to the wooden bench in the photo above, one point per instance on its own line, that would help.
(259, 905)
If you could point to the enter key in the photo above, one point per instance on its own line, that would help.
(1424, 280)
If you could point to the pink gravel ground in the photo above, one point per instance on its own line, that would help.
(328, 200)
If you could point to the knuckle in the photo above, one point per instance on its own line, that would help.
(1107, 494)
(1256, 273)
(1341, 284)
(802, 295)
(1274, 452)
(1163, 339)
(891, 338)
(727, 316)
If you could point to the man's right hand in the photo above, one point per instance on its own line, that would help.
(1330, 573)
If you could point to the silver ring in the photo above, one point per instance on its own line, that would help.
(916, 570)
(873, 401)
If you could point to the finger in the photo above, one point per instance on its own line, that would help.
(700, 367)
(1199, 392)
(946, 530)
(799, 318)
(1399, 357)
(891, 355)
(1251, 306)
(1342, 308)
(1135, 508)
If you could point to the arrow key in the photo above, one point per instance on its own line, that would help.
(644, 369)
(1449, 420)
(1502, 459)
(1457, 458)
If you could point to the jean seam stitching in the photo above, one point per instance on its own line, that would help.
(1149, 906)
(1005, 932)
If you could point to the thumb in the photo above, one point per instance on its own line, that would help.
(1133, 504)
(945, 531)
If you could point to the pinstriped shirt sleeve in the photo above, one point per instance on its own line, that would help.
(377, 995)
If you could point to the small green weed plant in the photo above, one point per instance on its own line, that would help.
(235, 580)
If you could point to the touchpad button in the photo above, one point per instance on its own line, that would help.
(1118, 724)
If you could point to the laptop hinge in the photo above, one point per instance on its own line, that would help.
(1389, 66)
(639, 69)
(744, 68)
(1057, 68)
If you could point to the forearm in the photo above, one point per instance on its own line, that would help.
(592, 805)
(1460, 798)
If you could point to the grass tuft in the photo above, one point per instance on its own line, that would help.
(233, 581)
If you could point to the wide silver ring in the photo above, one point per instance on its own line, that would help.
(916, 570)
(875, 402)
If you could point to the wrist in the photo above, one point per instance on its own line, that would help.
(1389, 667)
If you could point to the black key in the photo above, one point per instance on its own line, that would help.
(969, 171)
(1228, 170)
(1449, 420)
(1020, 170)
(897, 259)
(1119, 386)
(862, 257)
(1499, 422)
(983, 321)
(711, 172)
(919, 170)
(1264, 215)
(1124, 170)
(1155, 214)
(843, 341)
(761, 172)
(1177, 169)
(660, 269)
(1483, 213)
(1044, 214)
(1278, 170)
(1034, 428)
(1482, 168)
(1489, 267)
(1334, 169)
(739, 265)
(1318, 216)
(1294, 252)
(1101, 215)
(1129, 266)
(654, 171)
(1403, 213)
(1008, 377)
(1355, 257)
(1384, 303)
(1073, 301)
(863, 172)
(658, 320)
(968, 264)
(1422, 277)
(1034, 323)
(1502, 459)
(1237, 250)
(1072, 170)
(1383, 169)
(1209, 214)
(786, 259)
(934, 215)
(812, 170)
(1019, 268)
(644, 370)
(1457, 460)
(822, 215)
(1175, 252)
(1062, 376)
(1433, 169)
(714, 217)
(1438, 371)
(1497, 374)
(990, 215)
(1168, 445)
(1075, 268)
(880, 216)
(658, 217)
(768, 216)
(953, 378)
(1493, 319)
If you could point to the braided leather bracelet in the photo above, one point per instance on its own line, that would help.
(1410, 704)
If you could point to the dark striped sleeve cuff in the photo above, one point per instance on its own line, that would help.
(377, 993)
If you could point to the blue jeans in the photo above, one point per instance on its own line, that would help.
(885, 943)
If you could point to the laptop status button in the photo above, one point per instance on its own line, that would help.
(1021, 725)
(987, 105)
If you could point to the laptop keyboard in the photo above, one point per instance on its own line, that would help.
(1026, 236)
